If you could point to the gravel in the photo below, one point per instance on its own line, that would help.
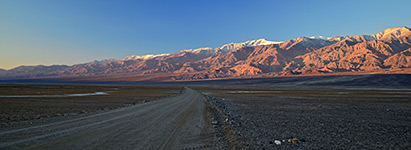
(254, 121)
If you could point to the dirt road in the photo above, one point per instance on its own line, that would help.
(171, 123)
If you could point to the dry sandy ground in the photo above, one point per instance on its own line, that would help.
(170, 123)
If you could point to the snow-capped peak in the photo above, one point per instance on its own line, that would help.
(391, 33)
(259, 42)
(144, 57)
(319, 37)
(230, 47)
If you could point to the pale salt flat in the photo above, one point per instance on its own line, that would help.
(64, 95)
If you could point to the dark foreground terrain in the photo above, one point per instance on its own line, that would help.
(310, 118)
(342, 112)
(176, 122)
(35, 101)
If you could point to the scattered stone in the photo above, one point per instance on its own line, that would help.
(293, 140)
(215, 122)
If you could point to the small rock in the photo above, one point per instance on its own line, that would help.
(278, 142)
(215, 122)
(293, 140)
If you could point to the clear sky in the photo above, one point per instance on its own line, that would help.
(34, 32)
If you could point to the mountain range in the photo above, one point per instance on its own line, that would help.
(388, 51)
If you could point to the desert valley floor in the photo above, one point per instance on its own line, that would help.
(335, 112)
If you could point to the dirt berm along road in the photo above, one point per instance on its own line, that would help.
(170, 123)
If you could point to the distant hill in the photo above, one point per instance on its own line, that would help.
(388, 51)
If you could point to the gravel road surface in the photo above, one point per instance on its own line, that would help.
(172, 123)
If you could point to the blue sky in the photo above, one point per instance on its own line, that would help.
(34, 32)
